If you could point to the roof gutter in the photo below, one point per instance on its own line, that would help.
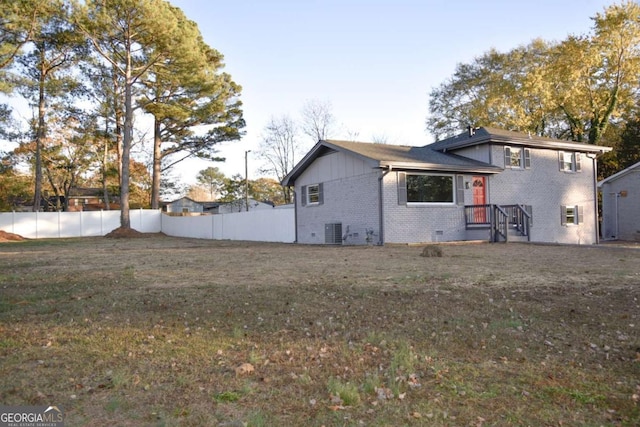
(594, 161)
(439, 167)
(568, 145)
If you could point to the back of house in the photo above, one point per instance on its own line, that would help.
(485, 184)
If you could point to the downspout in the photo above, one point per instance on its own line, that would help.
(381, 205)
(295, 215)
(594, 161)
(617, 236)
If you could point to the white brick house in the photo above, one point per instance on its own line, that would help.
(621, 204)
(484, 184)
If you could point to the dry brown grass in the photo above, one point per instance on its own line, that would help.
(155, 331)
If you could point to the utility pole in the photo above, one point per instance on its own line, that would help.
(246, 180)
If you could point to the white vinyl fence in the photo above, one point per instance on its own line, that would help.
(272, 225)
(263, 225)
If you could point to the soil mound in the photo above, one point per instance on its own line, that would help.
(10, 237)
(121, 233)
(127, 233)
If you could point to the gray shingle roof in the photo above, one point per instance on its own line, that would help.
(406, 155)
(483, 135)
(393, 156)
(438, 156)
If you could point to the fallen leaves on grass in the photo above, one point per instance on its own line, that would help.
(244, 369)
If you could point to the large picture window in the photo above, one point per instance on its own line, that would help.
(430, 189)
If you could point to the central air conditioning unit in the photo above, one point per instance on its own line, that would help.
(333, 233)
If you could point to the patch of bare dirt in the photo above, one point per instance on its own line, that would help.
(10, 237)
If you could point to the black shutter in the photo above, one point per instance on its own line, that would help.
(320, 194)
(303, 198)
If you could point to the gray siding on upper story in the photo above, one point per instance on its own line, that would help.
(621, 207)
(482, 153)
(350, 197)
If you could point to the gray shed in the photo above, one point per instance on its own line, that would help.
(621, 204)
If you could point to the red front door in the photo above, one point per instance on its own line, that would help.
(479, 198)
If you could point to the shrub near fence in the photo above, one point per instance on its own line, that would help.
(272, 225)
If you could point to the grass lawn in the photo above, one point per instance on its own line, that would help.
(161, 331)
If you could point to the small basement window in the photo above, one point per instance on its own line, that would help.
(571, 215)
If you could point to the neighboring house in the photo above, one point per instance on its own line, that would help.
(187, 205)
(621, 204)
(81, 199)
(484, 184)
(91, 199)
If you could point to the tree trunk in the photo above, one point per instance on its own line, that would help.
(105, 159)
(117, 108)
(125, 221)
(40, 136)
(157, 164)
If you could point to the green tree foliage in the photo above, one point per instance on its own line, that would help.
(194, 105)
(266, 190)
(213, 180)
(18, 25)
(44, 73)
(134, 37)
(574, 89)
(137, 56)
(14, 186)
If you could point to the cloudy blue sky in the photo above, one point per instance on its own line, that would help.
(375, 61)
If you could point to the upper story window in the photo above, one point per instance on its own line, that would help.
(517, 158)
(312, 194)
(570, 162)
